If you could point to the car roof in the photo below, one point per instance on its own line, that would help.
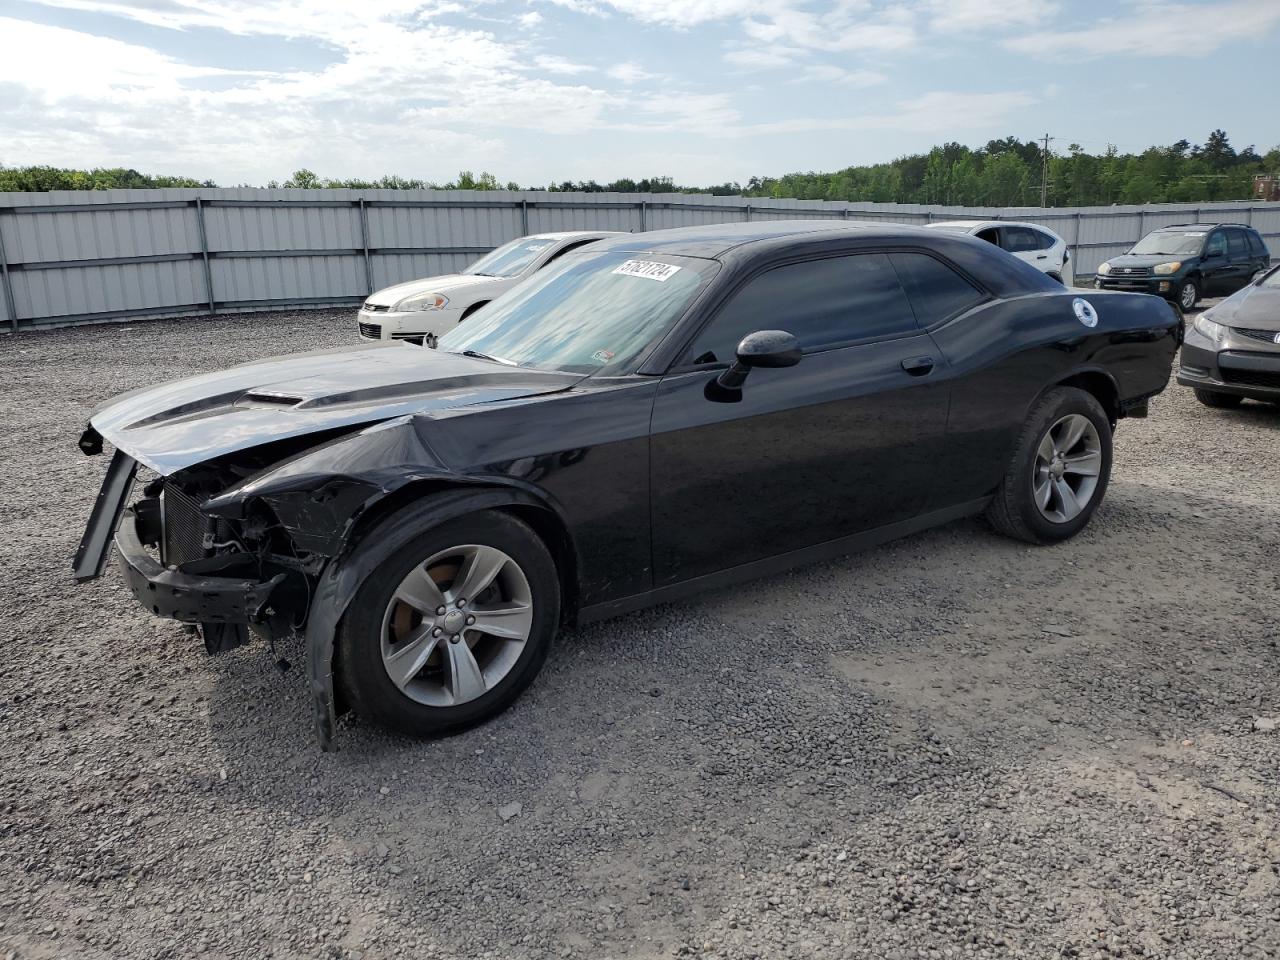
(574, 234)
(1198, 226)
(979, 224)
(715, 239)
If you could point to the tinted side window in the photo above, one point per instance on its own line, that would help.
(1256, 246)
(936, 291)
(1020, 239)
(990, 234)
(1046, 242)
(1217, 244)
(822, 302)
(1237, 246)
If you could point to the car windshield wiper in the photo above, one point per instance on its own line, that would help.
(476, 354)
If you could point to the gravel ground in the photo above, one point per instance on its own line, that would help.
(952, 746)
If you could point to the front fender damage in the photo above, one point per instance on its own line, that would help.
(340, 581)
(320, 498)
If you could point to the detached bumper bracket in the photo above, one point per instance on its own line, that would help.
(91, 557)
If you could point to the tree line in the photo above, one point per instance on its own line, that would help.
(1002, 173)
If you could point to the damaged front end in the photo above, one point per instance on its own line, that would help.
(224, 576)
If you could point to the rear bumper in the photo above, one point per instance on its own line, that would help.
(220, 589)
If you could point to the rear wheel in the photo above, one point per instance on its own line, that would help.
(1059, 471)
(449, 630)
(1188, 295)
(1224, 401)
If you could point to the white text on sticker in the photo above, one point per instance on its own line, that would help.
(649, 269)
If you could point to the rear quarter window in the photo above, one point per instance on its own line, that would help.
(936, 291)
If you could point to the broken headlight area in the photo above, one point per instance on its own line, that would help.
(227, 576)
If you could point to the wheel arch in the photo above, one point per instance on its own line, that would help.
(1101, 385)
(371, 539)
(472, 309)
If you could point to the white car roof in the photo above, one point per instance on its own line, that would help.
(982, 224)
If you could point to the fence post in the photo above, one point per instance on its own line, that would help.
(364, 240)
(747, 210)
(1079, 220)
(8, 286)
(1142, 225)
(644, 216)
(204, 253)
(524, 218)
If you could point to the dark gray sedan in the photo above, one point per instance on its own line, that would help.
(1232, 351)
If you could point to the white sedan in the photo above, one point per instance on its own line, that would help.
(422, 310)
(1039, 246)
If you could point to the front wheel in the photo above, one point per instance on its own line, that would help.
(1224, 401)
(1189, 295)
(450, 629)
(1059, 470)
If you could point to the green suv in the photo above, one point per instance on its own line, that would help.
(1186, 261)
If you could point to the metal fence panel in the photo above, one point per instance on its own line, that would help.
(70, 257)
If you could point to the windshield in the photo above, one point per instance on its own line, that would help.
(1170, 242)
(590, 312)
(1272, 279)
(511, 259)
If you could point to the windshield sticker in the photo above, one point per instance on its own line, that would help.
(603, 356)
(537, 247)
(1085, 312)
(1193, 234)
(649, 269)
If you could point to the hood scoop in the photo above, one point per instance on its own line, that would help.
(266, 399)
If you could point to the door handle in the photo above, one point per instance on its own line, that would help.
(917, 366)
(1042, 256)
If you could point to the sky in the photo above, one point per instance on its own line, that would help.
(539, 91)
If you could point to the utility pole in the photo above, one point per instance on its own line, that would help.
(1044, 171)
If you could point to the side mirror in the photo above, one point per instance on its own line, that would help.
(764, 348)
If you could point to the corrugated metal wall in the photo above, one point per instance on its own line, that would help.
(74, 257)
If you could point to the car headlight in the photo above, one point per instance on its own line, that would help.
(1104, 268)
(422, 301)
(1164, 269)
(1206, 327)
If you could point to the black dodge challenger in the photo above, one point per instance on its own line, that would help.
(659, 414)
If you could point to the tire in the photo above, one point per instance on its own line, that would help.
(1221, 401)
(1188, 294)
(436, 699)
(1016, 510)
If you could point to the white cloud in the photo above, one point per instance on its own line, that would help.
(848, 26)
(1155, 29)
(554, 64)
(630, 73)
(983, 15)
(764, 57)
(530, 19)
(831, 74)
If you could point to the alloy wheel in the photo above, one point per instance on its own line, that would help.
(456, 625)
(1067, 464)
(1188, 296)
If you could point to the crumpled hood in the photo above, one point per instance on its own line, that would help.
(1253, 308)
(449, 284)
(185, 422)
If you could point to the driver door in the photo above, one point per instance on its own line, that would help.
(841, 443)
